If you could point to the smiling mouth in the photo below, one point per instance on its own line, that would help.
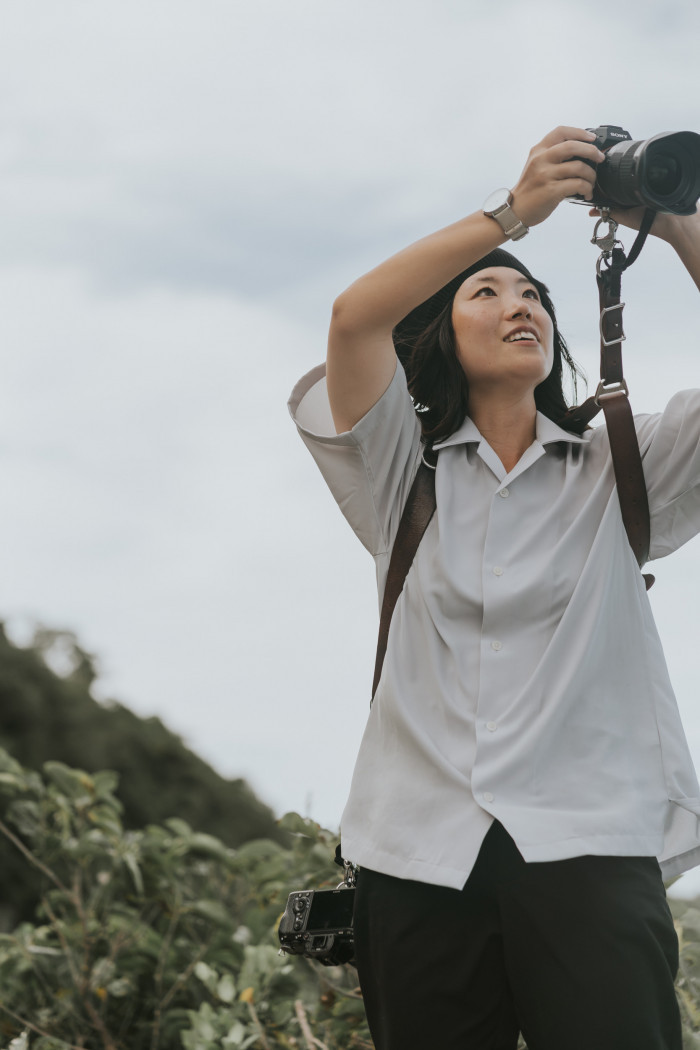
(521, 337)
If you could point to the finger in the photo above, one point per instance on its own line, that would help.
(574, 188)
(574, 169)
(565, 133)
(569, 150)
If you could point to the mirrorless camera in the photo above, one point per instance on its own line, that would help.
(662, 172)
(318, 925)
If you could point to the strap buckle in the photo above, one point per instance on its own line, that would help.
(610, 390)
(603, 314)
(606, 242)
(350, 880)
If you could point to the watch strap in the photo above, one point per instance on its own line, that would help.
(498, 206)
(513, 227)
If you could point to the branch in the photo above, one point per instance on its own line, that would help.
(158, 977)
(322, 974)
(38, 1031)
(311, 1040)
(184, 977)
(261, 1031)
(81, 984)
(72, 965)
(32, 859)
(98, 1023)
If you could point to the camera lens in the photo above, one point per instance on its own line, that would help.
(663, 174)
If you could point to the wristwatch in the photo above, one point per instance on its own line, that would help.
(497, 206)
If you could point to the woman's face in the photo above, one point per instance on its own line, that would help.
(503, 334)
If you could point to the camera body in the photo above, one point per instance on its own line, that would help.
(318, 924)
(662, 172)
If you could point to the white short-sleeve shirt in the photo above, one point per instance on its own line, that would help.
(524, 679)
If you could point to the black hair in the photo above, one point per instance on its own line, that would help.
(440, 389)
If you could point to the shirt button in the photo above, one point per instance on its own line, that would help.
(496, 646)
(492, 727)
(488, 797)
(504, 493)
(497, 570)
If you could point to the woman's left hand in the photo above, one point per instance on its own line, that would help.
(682, 232)
(671, 228)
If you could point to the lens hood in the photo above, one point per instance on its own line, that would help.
(662, 172)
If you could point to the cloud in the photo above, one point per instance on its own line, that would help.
(185, 188)
(234, 146)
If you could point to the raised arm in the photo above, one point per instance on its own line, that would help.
(682, 232)
(361, 359)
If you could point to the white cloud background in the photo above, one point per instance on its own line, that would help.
(184, 187)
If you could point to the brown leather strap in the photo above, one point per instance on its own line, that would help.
(612, 397)
(419, 509)
(629, 476)
(614, 400)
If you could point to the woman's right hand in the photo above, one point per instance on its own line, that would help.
(555, 170)
(361, 359)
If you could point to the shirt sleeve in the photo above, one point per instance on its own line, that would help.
(369, 469)
(670, 446)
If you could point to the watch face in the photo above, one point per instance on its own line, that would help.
(496, 200)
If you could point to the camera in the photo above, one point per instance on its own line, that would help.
(318, 925)
(662, 172)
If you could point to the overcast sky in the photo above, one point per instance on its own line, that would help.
(185, 188)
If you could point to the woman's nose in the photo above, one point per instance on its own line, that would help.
(519, 308)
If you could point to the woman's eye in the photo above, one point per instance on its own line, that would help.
(532, 294)
(483, 291)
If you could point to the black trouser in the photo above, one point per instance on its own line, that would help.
(577, 954)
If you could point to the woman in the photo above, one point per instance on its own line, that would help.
(524, 770)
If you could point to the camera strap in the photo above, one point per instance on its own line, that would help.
(612, 394)
(419, 509)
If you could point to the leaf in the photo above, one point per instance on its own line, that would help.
(208, 977)
(11, 782)
(247, 995)
(298, 825)
(226, 989)
(210, 846)
(690, 923)
(102, 973)
(75, 783)
(179, 827)
(120, 988)
(26, 817)
(213, 910)
(204, 972)
(243, 934)
(234, 1037)
(105, 784)
(21, 1042)
(134, 870)
(106, 818)
(202, 1031)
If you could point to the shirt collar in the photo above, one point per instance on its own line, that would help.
(547, 432)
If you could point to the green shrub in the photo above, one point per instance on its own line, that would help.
(165, 938)
(160, 939)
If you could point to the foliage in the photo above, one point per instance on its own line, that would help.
(47, 712)
(165, 938)
(160, 939)
(686, 915)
